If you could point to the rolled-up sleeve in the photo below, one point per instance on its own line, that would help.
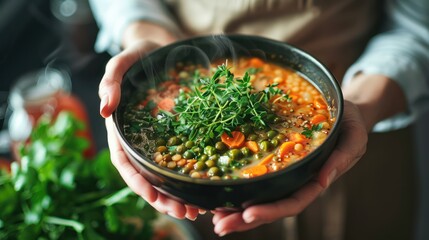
(113, 16)
(401, 52)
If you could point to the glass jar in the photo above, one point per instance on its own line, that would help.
(47, 91)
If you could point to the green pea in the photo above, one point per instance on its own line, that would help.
(225, 169)
(213, 171)
(189, 144)
(210, 163)
(203, 157)
(265, 145)
(184, 170)
(197, 150)
(188, 154)
(272, 133)
(252, 137)
(220, 146)
(200, 165)
(234, 154)
(280, 137)
(210, 150)
(180, 149)
(274, 142)
(173, 141)
(214, 157)
(245, 151)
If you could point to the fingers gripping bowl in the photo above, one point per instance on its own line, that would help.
(282, 112)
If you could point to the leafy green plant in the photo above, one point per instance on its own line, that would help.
(55, 193)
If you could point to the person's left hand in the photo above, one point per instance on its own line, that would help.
(350, 148)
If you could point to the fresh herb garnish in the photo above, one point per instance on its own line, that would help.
(222, 103)
(56, 193)
(308, 132)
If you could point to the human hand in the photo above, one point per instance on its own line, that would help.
(369, 99)
(349, 149)
(109, 91)
(140, 185)
(137, 43)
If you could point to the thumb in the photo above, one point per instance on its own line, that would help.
(109, 89)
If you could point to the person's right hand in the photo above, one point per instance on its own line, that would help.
(135, 46)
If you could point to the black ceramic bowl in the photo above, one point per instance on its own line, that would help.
(239, 193)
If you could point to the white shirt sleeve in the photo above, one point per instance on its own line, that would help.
(401, 52)
(113, 16)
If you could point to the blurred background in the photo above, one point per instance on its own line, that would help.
(60, 34)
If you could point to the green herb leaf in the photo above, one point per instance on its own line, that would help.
(221, 104)
(56, 193)
(308, 132)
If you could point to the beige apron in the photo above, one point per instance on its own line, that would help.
(335, 32)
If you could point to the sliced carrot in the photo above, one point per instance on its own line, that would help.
(293, 96)
(253, 146)
(297, 138)
(166, 104)
(254, 171)
(319, 103)
(256, 62)
(285, 148)
(267, 159)
(236, 139)
(318, 118)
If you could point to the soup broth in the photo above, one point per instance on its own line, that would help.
(239, 119)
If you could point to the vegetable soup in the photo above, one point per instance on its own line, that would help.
(239, 119)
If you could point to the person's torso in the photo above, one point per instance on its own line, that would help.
(335, 32)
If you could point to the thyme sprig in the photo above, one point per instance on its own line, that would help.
(221, 103)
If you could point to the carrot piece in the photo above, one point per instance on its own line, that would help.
(286, 148)
(166, 104)
(256, 62)
(318, 118)
(253, 146)
(298, 138)
(319, 103)
(234, 141)
(254, 171)
(267, 159)
(293, 96)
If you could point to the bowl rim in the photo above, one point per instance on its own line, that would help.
(152, 166)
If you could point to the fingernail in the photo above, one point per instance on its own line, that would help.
(249, 219)
(192, 219)
(202, 212)
(223, 234)
(332, 176)
(104, 102)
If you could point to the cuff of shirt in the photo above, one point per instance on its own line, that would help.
(401, 69)
(121, 13)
